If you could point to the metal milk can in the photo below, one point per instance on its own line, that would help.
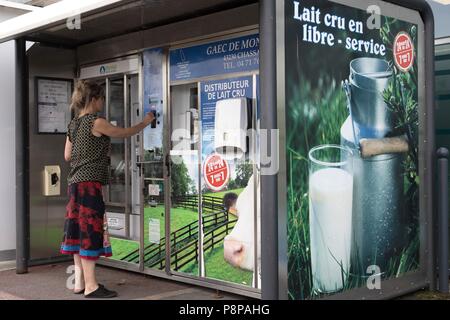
(377, 212)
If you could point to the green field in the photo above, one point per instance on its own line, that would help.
(180, 218)
(216, 267)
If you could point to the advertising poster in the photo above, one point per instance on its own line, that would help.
(352, 148)
(213, 103)
(226, 113)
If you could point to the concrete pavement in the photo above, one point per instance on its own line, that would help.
(49, 283)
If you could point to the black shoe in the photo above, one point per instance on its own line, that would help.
(79, 292)
(101, 293)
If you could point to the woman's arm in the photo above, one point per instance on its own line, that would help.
(68, 150)
(101, 126)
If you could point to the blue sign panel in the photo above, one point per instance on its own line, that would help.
(216, 58)
(214, 91)
(153, 97)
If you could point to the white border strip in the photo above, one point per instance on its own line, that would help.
(18, 6)
(60, 11)
(441, 41)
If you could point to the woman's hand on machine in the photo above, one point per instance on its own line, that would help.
(149, 117)
(103, 127)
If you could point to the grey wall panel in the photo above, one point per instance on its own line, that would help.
(7, 255)
(7, 139)
(46, 213)
(214, 24)
(7, 145)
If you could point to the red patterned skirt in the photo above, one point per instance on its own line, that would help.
(83, 227)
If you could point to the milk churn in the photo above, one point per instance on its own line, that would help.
(377, 228)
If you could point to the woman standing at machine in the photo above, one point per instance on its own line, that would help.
(87, 149)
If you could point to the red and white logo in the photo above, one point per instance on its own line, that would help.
(404, 51)
(216, 172)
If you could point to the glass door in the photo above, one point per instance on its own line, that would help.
(185, 213)
(122, 197)
(153, 162)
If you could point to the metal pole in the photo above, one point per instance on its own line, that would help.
(442, 165)
(21, 115)
(269, 209)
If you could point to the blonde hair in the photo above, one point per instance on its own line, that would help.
(85, 91)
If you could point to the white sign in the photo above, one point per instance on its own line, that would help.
(154, 234)
(53, 103)
(153, 190)
(114, 223)
(121, 66)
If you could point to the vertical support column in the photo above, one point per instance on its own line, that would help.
(442, 172)
(139, 158)
(254, 158)
(127, 151)
(201, 261)
(107, 103)
(22, 216)
(269, 210)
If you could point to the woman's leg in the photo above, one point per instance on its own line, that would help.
(79, 281)
(90, 282)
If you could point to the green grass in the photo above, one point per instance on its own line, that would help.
(122, 247)
(217, 268)
(180, 218)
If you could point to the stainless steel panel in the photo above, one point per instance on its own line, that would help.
(126, 112)
(116, 115)
(46, 213)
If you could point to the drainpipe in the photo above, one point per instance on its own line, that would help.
(22, 219)
(269, 209)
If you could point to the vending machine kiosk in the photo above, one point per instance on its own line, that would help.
(292, 152)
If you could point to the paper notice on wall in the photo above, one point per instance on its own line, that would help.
(53, 118)
(54, 91)
(154, 231)
(53, 100)
(114, 223)
(153, 190)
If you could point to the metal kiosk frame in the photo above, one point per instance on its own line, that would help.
(421, 13)
(273, 220)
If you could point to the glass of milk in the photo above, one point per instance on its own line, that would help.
(330, 216)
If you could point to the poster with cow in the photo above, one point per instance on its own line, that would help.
(228, 112)
(352, 144)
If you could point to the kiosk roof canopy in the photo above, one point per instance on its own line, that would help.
(101, 19)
